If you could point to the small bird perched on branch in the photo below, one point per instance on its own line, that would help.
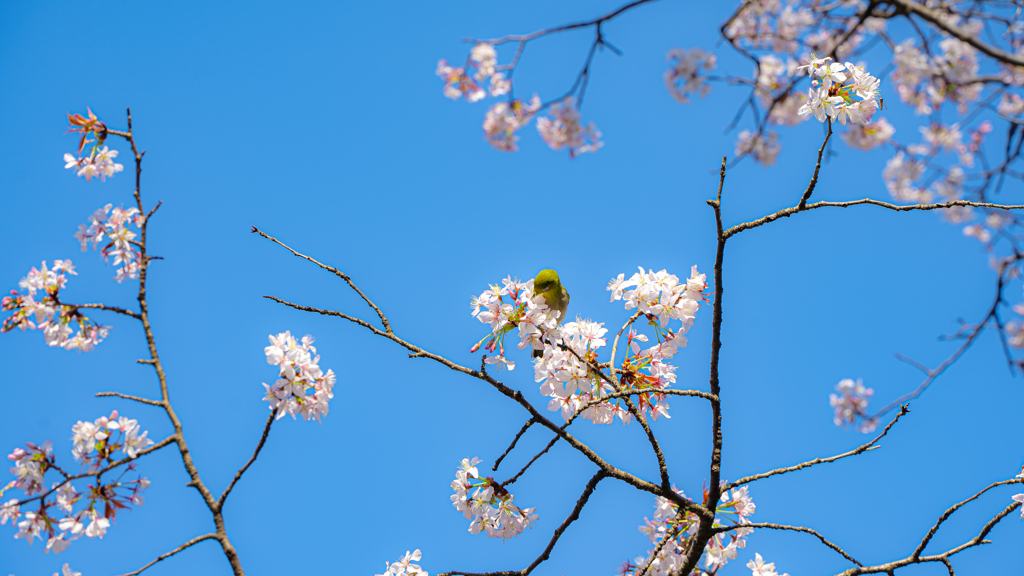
(548, 285)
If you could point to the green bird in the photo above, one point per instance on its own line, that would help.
(548, 285)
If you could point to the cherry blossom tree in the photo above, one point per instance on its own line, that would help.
(958, 65)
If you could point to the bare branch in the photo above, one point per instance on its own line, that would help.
(512, 480)
(122, 311)
(787, 212)
(259, 446)
(817, 167)
(949, 512)
(524, 38)
(816, 461)
(513, 444)
(167, 555)
(333, 270)
(772, 526)
(129, 397)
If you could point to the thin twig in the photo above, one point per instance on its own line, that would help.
(116, 309)
(787, 212)
(130, 397)
(817, 167)
(949, 512)
(512, 480)
(859, 450)
(772, 526)
(513, 444)
(167, 555)
(333, 270)
(259, 446)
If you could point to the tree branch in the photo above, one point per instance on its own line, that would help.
(787, 212)
(513, 444)
(259, 446)
(129, 397)
(167, 555)
(573, 516)
(336, 272)
(518, 397)
(816, 461)
(123, 311)
(817, 167)
(772, 526)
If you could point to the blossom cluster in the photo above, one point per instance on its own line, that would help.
(564, 131)
(112, 224)
(405, 566)
(567, 367)
(504, 119)
(56, 519)
(927, 79)
(568, 376)
(830, 97)
(660, 296)
(561, 131)
(483, 58)
(869, 135)
(303, 388)
(29, 311)
(915, 163)
(99, 163)
(507, 307)
(488, 504)
(685, 77)
(95, 443)
(763, 148)
(671, 530)
(850, 405)
(770, 25)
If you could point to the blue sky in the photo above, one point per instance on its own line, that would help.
(323, 124)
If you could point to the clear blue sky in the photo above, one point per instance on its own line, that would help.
(323, 124)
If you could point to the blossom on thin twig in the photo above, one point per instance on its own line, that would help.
(112, 223)
(851, 404)
(831, 97)
(504, 119)
(96, 442)
(564, 130)
(99, 163)
(107, 440)
(459, 84)
(302, 388)
(510, 306)
(49, 314)
(488, 504)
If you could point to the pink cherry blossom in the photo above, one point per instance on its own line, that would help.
(303, 388)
